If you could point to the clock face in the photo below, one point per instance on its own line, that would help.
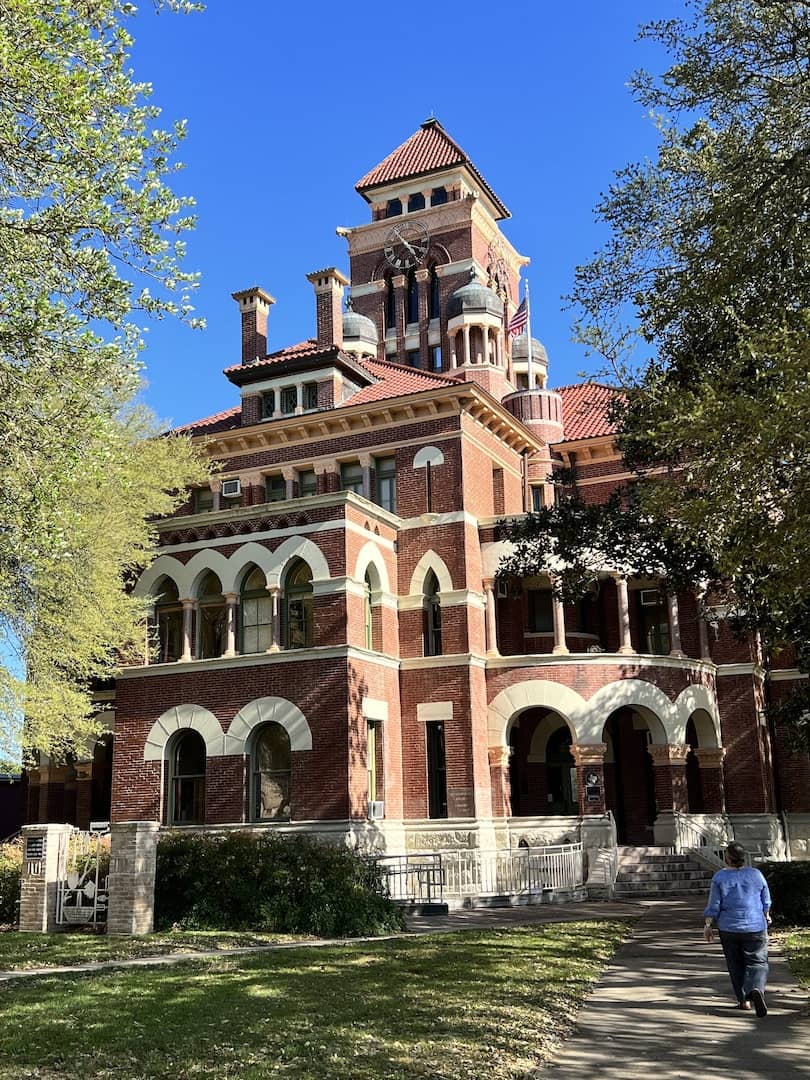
(407, 244)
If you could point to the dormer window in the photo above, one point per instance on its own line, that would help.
(289, 400)
(438, 197)
(268, 404)
(310, 395)
(416, 202)
(393, 208)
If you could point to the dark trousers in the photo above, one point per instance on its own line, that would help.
(747, 960)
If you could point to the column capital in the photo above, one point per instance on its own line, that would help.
(669, 753)
(589, 753)
(422, 275)
(710, 757)
(499, 756)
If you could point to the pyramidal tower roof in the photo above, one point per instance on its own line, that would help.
(430, 149)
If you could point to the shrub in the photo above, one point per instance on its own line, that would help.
(10, 874)
(242, 881)
(789, 883)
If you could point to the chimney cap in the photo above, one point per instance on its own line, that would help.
(253, 293)
(328, 272)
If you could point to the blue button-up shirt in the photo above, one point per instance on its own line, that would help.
(738, 900)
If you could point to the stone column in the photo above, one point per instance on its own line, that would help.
(365, 465)
(674, 626)
(288, 472)
(133, 857)
(669, 768)
(558, 617)
(590, 762)
(499, 778)
(626, 645)
(188, 611)
(275, 627)
(703, 639)
(41, 872)
(150, 629)
(491, 618)
(231, 601)
(466, 336)
(84, 793)
(710, 760)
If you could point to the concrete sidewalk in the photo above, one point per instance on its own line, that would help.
(664, 1008)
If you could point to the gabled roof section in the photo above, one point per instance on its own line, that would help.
(296, 359)
(221, 421)
(585, 410)
(394, 380)
(430, 149)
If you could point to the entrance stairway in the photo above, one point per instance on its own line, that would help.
(658, 872)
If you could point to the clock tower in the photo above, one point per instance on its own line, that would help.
(432, 268)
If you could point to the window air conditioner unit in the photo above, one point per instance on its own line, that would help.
(231, 489)
(649, 597)
(376, 810)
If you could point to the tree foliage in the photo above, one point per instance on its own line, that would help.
(90, 245)
(700, 304)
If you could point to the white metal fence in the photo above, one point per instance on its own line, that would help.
(428, 877)
(81, 895)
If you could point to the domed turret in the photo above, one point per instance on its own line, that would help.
(520, 363)
(474, 298)
(359, 332)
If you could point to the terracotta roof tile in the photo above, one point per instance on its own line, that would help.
(222, 421)
(585, 410)
(396, 380)
(427, 150)
(302, 348)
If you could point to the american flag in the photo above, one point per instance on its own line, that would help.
(518, 321)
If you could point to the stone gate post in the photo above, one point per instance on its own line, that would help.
(40, 876)
(131, 884)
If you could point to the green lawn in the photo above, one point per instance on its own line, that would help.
(796, 944)
(461, 1006)
(29, 951)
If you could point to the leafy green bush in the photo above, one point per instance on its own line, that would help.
(789, 883)
(242, 881)
(10, 873)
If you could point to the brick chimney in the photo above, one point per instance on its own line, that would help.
(254, 305)
(329, 285)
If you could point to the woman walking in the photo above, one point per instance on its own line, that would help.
(740, 903)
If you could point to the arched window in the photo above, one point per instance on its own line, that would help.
(432, 616)
(416, 202)
(271, 770)
(169, 623)
(257, 614)
(393, 208)
(438, 196)
(298, 606)
(413, 298)
(368, 622)
(390, 305)
(187, 779)
(211, 618)
(434, 307)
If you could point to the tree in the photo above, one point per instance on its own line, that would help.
(90, 244)
(706, 274)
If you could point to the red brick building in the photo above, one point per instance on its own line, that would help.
(330, 651)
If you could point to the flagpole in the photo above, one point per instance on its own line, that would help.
(529, 338)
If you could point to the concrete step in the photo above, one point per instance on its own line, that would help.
(663, 867)
(648, 888)
(627, 849)
(677, 875)
(652, 860)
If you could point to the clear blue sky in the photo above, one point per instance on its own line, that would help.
(289, 104)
